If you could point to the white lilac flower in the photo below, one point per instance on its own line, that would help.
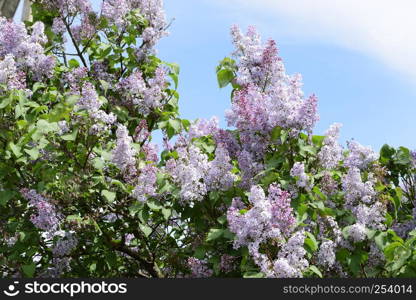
(359, 156)
(123, 154)
(326, 254)
(331, 151)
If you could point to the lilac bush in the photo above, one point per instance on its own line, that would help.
(86, 192)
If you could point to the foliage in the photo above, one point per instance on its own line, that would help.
(85, 192)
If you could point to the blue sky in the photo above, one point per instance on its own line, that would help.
(358, 57)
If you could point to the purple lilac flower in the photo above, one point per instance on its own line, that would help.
(26, 49)
(298, 171)
(370, 216)
(146, 183)
(9, 74)
(291, 262)
(227, 263)
(219, 176)
(58, 26)
(69, 7)
(199, 268)
(189, 171)
(46, 217)
(282, 213)
(355, 189)
(269, 97)
(141, 132)
(65, 244)
(115, 11)
(203, 127)
(75, 77)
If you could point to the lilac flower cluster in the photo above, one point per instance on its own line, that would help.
(59, 266)
(26, 49)
(65, 244)
(9, 75)
(298, 171)
(124, 153)
(268, 218)
(196, 175)
(219, 176)
(146, 97)
(291, 260)
(146, 183)
(403, 229)
(203, 127)
(329, 185)
(326, 254)
(69, 7)
(74, 79)
(46, 217)
(227, 263)
(141, 132)
(359, 156)
(355, 189)
(189, 171)
(269, 97)
(152, 10)
(199, 268)
(370, 216)
(89, 101)
(360, 199)
(249, 167)
(331, 152)
(357, 232)
(115, 11)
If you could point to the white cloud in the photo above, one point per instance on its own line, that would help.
(385, 29)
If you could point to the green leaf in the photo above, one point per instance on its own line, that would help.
(145, 229)
(222, 220)
(37, 86)
(253, 275)
(386, 153)
(175, 79)
(315, 270)
(29, 270)
(402, 156)
(73, 63)
(135, 208)
(214, 234)
(200, 252)
(355, 261)
(15, 149)
(33, 153)
(70, 136)
(224, 77)
(311, 242)
(110, 196)
(175, 124)
(401, 256)
(276, 132)
(154, 206)
(5, 196)
(167, 212)
(318, 140)
(5, 102)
